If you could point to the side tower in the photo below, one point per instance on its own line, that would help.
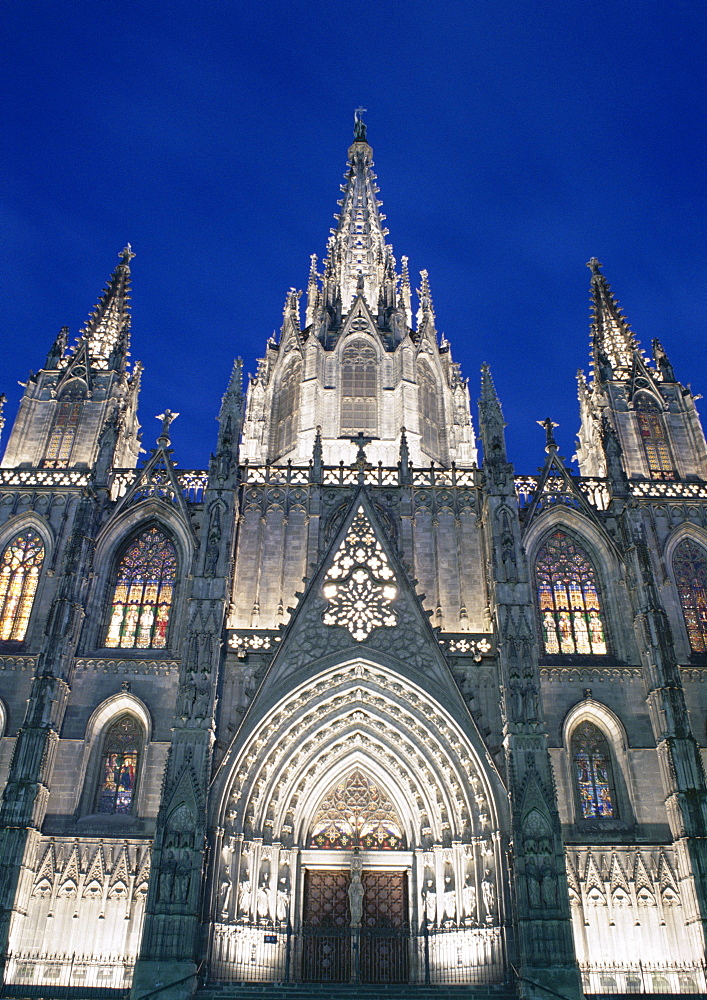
(652, 414)
(67, 403)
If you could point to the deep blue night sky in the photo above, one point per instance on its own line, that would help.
(512, 141)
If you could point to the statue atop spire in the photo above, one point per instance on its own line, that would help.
(359, 125)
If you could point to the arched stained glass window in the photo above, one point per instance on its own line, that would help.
(287, 409)
(690, 568)
(591, 761)
(651, 427)
(19, 575)
(359, 388)
(119, 766)
(143, 593)
(429, 412)
(61, 439)
(570, 610)
(356, 813)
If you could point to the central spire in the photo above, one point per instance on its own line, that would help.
(358, 259)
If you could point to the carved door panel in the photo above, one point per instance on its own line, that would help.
(384, 928)
(326, 953)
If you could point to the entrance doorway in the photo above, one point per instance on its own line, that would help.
(333, 951)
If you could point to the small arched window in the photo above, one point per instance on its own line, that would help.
(287, 409)
(20, 566)
(651, 427)
(359, 388)
(120, 761)
(429, 412)
(63, 433)
(568, 597)
(690, 568)
(591, 764)
(143, 593)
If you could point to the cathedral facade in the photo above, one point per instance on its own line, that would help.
(352, 704)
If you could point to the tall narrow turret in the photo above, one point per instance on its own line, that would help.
(69, 403)
(656, 429)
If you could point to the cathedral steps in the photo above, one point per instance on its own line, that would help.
(350, 991)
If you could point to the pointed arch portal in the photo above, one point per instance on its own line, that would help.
(360, 766)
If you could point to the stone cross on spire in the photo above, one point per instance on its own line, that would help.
(548, 425)
(167, 417)
(126, 254)
(359, 125)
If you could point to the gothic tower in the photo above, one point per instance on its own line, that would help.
(344, 705)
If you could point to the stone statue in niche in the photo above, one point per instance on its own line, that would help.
(244, 894)
(356, 890)
(489, 896)
(282, 902)
(430, 902)
(263, 901)
(449, 901)
(469, 901)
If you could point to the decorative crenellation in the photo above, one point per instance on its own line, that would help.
(466, 644)
(45, 478)
(244, 641)
(596, 491)
(126, 666)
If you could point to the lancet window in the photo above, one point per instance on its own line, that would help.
(429, 412)
(568, 597)
(591, 762)
(144, 592)
(356, 813)
(20, 566)
(359, 388)
(61, 439)
(120, 760)
(690, 568)
(651, 427)
(287, 409)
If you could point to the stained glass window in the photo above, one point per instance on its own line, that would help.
(591, 760)
(61, 439)
(690, 567)
(429, 412)
(359, 388)
(651, 427)
(120, 759)
(19, 575)
(570, 610)
(356, 813)
(287, 409)
(143, 593)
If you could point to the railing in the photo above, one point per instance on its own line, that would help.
(643, 977)
(45, 478)
(595, 491)
(345, 475)
(379, 954)
(192, 483)
(37, 974)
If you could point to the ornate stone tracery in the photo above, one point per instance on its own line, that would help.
(360, 585)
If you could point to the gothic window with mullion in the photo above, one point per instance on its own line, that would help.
(654, 438)
(287, 410)
(20, 566)
(143, 592)
(690, 568)
(570, 606)
(592, 773)
(359, 388)
(120, 761)
(63, 434)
